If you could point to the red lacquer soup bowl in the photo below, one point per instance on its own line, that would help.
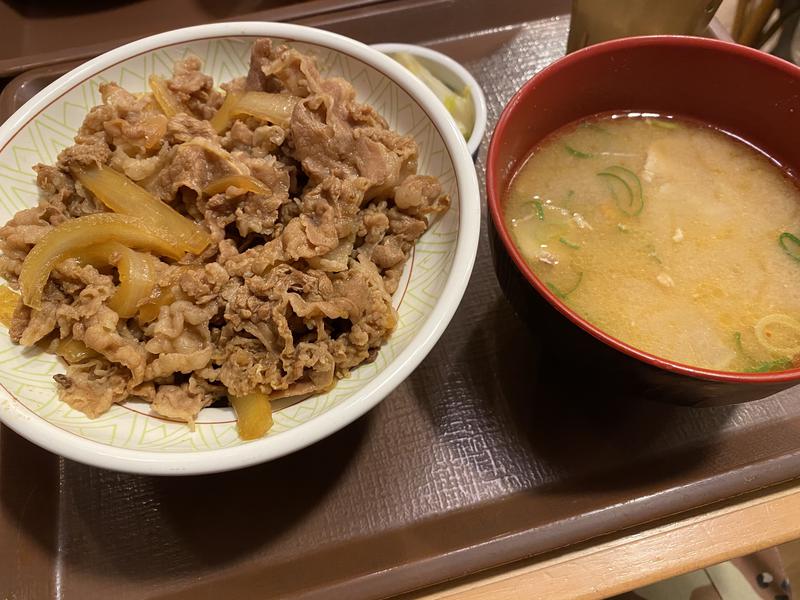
(748, 93)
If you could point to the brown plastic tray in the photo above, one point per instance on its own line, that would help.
(492, 451)
(428, 22)
(41, 32)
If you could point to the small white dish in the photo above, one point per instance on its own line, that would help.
(454, 76)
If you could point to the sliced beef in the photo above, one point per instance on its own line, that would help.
(94, 386)
(333, 136)
(193, 88)
(194, 165)
(294, 290)
(183, 128)
(282, 69)
(420, 195)
(89, 150)
(180, 403)
(257, 79)
(131, 123)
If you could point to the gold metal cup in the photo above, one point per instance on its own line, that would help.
(594, 21)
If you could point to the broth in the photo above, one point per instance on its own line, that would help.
(669, 235)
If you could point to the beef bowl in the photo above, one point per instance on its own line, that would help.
(644, 216)
(224, 243)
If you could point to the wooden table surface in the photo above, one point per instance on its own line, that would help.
(630, 559)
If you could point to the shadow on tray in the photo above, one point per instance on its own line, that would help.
(563, 430)
(148, 527)
(29, 488)
(48, 9)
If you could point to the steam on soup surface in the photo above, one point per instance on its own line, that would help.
(671, 236)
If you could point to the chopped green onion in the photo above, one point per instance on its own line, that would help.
(595, 127)
(763, 335)
(568, 243)
(632, 179)
(577, 153)
(737, 340)
(634, 183)
(623, 204)
(792, 247)
(537, 204)
(663, 123)
(633, 202)
(563, 294)
(779, 364)
(651, 252)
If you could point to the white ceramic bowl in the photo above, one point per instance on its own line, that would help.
(128, 437)
(452, 74)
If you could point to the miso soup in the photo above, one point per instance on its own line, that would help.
(669, 235)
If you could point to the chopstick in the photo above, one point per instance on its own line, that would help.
(753, 22)
(742, 7)
(776, 25)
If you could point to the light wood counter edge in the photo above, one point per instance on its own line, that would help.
(625, 562)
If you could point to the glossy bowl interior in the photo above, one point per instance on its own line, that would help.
(129, 437)
(743, 91)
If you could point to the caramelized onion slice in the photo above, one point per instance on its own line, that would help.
(137, 273)
(164, 97)
(137, 277)
(84, 232)
(779, 334)
(8, 304)
(223, 118)
(74, 351)
(244, 182)
(150, 310)
(123, 196)
(272, 108)
(253, 414)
